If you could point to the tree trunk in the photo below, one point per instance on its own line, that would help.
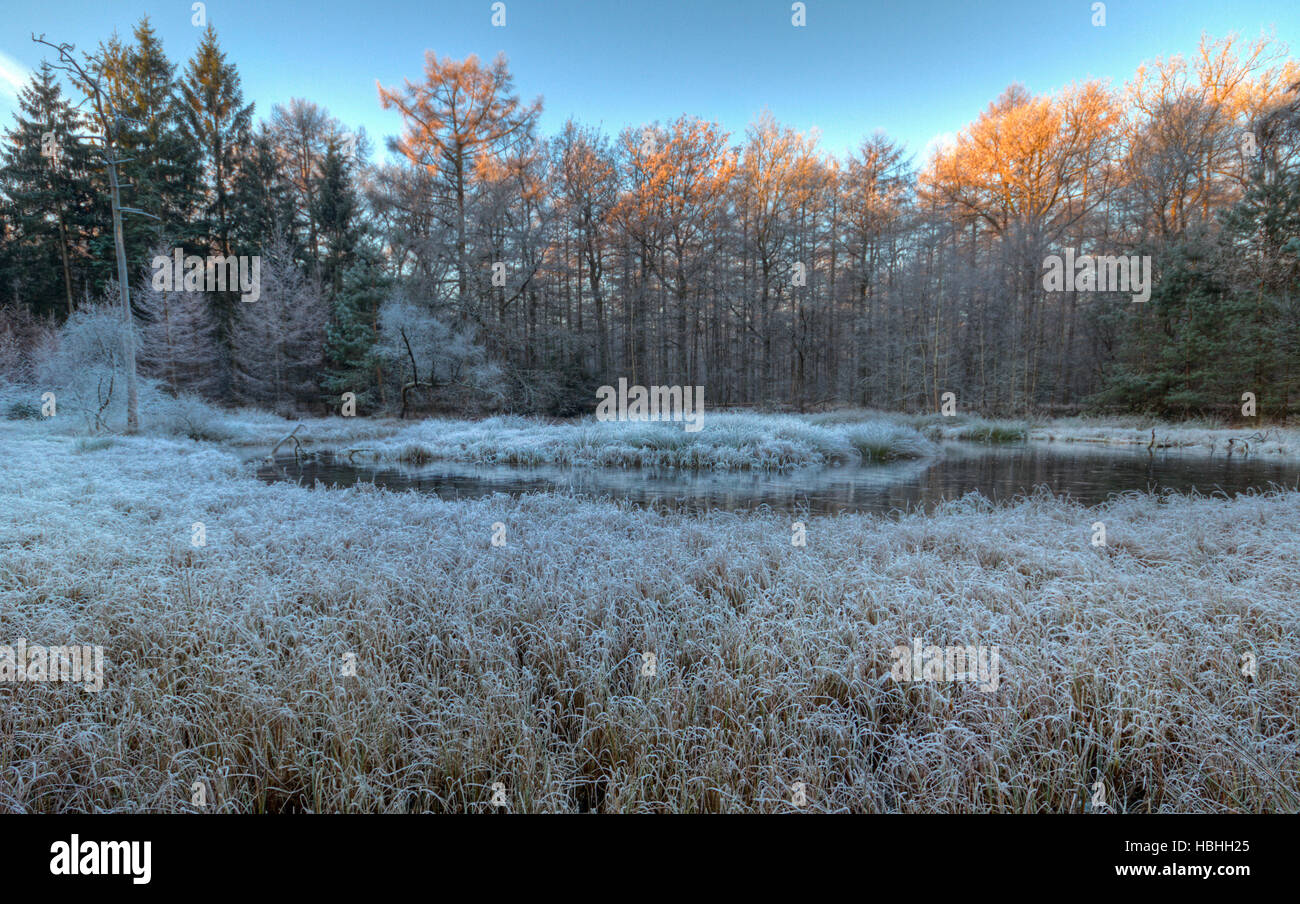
(128, 325)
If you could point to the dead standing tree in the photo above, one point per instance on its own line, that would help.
(108, 120)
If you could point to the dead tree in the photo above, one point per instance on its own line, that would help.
(108, 120)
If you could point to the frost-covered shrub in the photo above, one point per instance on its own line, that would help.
(86, 372)
(84, 368)
(184, 415)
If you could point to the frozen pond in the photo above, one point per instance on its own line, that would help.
(1087, 474)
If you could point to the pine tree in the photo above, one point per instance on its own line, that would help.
(217, 121)
(164, 168)
(261, 198)
(335, 211)
(53, 203)
(352, 363)
(1262, 252)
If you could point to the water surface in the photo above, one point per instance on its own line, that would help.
(1087, 474)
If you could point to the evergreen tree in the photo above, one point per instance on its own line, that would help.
(352, 363)
(164, 168)
(217, 120)
(261, 198)
(52, 203)
(335, 211)
(1262, 253)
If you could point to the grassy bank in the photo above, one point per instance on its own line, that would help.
(727, 442)
(521, 664)
(1201, 436)
(1206, 437)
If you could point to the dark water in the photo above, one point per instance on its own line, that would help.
(1087, 474)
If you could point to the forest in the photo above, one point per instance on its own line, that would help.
(481, 266)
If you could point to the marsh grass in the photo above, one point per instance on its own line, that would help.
(933, 426)
(1203, 435)
(884, 441)
(521, 664)
(727, 442)
(993, 432)
(92, 443)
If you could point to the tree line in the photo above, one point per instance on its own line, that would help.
(486, 266)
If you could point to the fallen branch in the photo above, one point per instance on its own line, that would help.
(297, 445)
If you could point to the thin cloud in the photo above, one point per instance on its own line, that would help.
(14, 76)
(941, 142)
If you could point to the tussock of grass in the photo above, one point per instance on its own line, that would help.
(92, 443)
(993, 432)
(255, 428)
(21, 410)
(937, 427)
(522, 664)
(883, 441)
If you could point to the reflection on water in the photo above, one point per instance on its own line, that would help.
(1087, 474)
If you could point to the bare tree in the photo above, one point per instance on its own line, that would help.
(463, 112)
(177, 336)
(108, 121)
(277, 341)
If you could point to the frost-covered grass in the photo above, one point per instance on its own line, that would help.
(1198, 435)
(522, 664)
(256, 429)
(935, 427)
(993, 432)
(728, 441)
(1205, 436)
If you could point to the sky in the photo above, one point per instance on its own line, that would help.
(919, 70)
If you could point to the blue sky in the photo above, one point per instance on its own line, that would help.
(918, 69)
